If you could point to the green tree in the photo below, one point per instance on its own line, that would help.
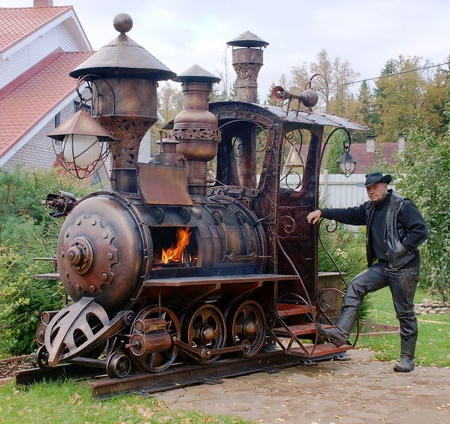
(365, 111)
(436, 97)
(399, 97)
(330, 78)
(423, 175)
(170, 101)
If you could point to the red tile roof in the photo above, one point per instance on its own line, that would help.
(26, 100)
(385, 153)
(18, 23)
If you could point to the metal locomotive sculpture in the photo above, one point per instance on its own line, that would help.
(172, 266)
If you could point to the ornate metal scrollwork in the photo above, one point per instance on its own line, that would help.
(287, 224)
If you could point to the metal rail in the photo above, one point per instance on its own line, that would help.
(176, 377)
(184, 376)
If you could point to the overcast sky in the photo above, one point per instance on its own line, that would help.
(181, 33)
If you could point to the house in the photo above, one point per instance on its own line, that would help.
(39, 46)
(372, 156)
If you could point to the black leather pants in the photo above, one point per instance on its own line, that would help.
(401, 282)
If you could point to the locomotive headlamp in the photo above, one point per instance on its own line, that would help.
(84, 144)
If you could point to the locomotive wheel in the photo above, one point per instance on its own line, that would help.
(205, 328)
(158, 361)
(247, 326)
(118, 365)
(42, 357)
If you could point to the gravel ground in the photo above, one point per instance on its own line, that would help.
(359, 391)
(9, 366)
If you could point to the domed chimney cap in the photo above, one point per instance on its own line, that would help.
(123, 58)
(197, 73)
(247, 39)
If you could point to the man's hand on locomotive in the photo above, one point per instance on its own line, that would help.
(314, 216)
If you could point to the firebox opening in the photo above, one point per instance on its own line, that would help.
(174, 247)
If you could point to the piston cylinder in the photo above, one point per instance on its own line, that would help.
(147, 343)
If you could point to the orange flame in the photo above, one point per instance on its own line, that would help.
(175, 252)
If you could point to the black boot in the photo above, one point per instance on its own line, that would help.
(340, 333)
(408, 349)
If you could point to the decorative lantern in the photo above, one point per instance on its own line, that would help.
(84, 144)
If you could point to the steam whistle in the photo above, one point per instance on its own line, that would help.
(308, 98)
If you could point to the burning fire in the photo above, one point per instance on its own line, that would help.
(175, 253)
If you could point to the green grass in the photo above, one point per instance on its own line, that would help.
(71, 403)
(433, 342)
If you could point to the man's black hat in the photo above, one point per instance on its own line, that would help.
(377, 177)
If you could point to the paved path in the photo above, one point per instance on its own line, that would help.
(359, 391)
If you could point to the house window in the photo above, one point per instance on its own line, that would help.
(57, 123)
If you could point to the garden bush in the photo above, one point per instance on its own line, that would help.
(27, 232)
(423, 175)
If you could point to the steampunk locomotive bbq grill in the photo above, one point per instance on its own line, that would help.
(170, 267)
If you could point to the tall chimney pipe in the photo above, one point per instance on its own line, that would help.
(247, 60)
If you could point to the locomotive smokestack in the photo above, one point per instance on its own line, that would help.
(196, 128)
(124, 79)
(247, 61)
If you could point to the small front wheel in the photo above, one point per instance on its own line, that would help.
(42, 357)
(118, 365)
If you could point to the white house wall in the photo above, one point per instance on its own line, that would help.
(56, 39)
(38, 150)
(144, 148)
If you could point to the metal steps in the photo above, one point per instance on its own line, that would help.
(298, 330)
(290, 309)
(318, 351)
(297, 337)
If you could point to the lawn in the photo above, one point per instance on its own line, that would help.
(433, 346)
(71, 403)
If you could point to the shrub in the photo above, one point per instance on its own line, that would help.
(341, 250)
(423, 175)
(27, 232)
(23, 299)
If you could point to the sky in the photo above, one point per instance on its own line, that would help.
(365, 33)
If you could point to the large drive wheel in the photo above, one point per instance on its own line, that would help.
(162, 360)
(247, 326)
(205, 329)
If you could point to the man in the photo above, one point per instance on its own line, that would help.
(395, 229)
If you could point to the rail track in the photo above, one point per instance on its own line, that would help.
(176, 377)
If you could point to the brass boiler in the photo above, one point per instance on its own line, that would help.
(109, 245)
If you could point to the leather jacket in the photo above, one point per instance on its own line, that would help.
(404, 231)
(395, 233)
